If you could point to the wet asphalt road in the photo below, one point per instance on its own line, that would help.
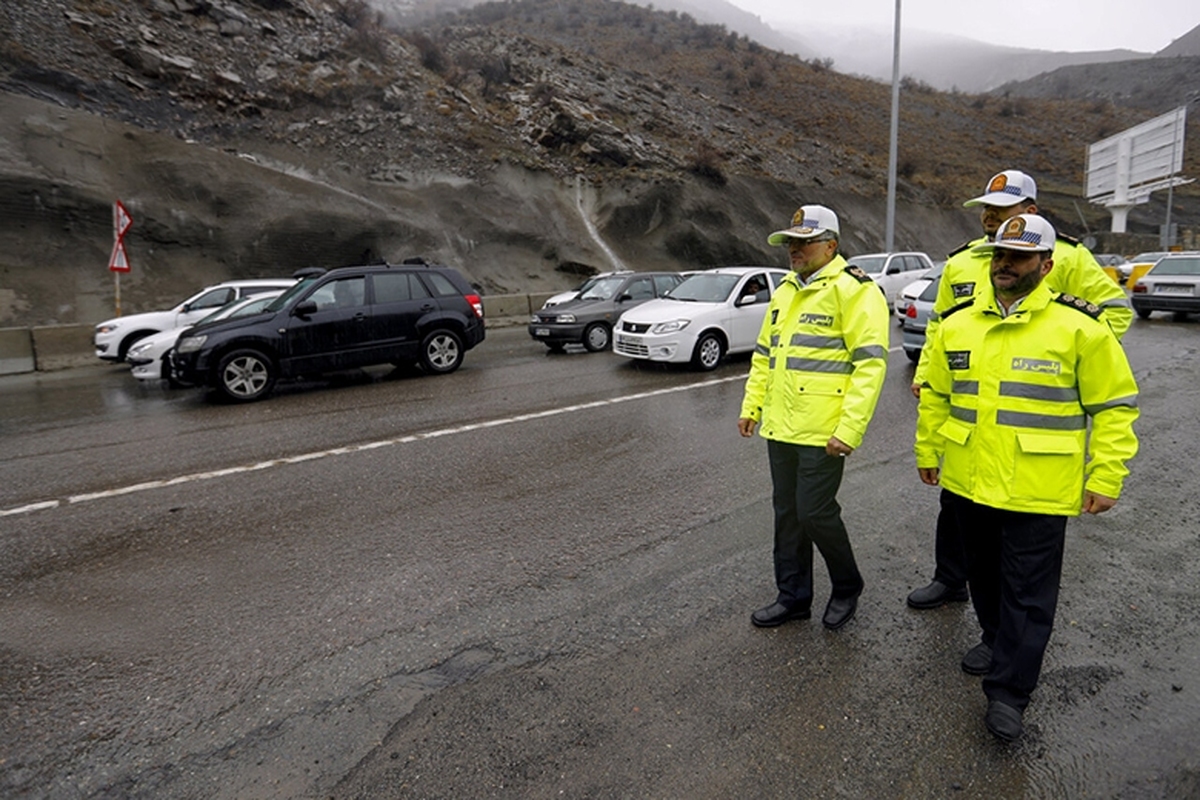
(532, 578)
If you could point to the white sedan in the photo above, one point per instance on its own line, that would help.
(148, 356)
(710, 314)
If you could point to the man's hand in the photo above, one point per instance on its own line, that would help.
(916, 390)
(929, 475)
(1097, 503)
(836, 447)
(746, 426)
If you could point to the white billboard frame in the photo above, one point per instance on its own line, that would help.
(1123, 170)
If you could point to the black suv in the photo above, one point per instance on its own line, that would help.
(335, 320)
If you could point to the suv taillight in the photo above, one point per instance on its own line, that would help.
(476, 303)
(1139, 288)
(911, 311)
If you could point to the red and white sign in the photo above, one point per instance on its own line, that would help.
(122, 222)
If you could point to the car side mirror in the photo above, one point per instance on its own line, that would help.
(746, 300)
(305, 308)
(624, 297)
(894, 269)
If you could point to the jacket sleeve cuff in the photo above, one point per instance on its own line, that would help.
(853, 438)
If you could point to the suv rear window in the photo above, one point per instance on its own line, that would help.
(442, 287)
(395, 287)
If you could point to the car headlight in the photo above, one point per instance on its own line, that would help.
(109, 328)
(139, 348)
(671, 327)
(565, 318)
(190, 344)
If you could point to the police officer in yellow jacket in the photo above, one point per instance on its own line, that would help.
(965, 275)
(815, 376)
(1014, 374)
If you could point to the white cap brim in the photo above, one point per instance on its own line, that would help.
(781, 237)
(1003, 199)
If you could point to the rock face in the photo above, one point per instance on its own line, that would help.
(521, 143)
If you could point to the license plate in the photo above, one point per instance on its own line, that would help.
(1172, 288)
(631, 341)
(541, 331)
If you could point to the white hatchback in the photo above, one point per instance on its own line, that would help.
(712, 313)
(893, 271)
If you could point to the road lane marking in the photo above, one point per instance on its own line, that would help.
(355, 448)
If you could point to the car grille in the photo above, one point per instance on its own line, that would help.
(635, 327)
(630, 349)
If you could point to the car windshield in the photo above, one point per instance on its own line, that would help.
(238, 308)
(285, 298)
(1177, 266)
(930, 292)
(602, 289)
(1149, 256)
(705, 288)
(870, 264)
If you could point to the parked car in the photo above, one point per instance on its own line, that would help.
(563, 297)
(1172, 284)
(913, 290)
(916, 319)
(342, 319)
(113, 337)
(893, 271)
(1140, 264)
(710, 314)
(148, 357)
(589, 318)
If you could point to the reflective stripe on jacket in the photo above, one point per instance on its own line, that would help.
(1007, 400)
(820, 360)
(1075, 272)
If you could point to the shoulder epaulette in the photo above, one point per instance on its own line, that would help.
(960, 248)
(1079, 304)
(858, 274)
(1071, 240)
(952, 309)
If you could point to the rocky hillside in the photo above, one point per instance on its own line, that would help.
(525, 143)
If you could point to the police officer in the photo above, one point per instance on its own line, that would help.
(815, 376)
(1014, 375)
(966, 273)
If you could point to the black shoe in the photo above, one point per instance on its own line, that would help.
(777, 614)
(1003, 721)
(839, 611)
(936, 595)
(978, 660)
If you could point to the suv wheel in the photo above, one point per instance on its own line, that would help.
(441, 352)
(597, 337)
(245, 375)
(708, 352)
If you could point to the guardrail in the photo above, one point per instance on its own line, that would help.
(51, 347)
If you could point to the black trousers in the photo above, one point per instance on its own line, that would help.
(1014, 564)
(948, 550)
(806, 482)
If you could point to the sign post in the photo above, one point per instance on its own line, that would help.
(118, 262)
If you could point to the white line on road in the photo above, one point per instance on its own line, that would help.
(356, 448)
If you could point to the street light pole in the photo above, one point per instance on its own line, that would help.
(894, 134)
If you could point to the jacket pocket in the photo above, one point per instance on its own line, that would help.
(1049, 467)
(956, 460)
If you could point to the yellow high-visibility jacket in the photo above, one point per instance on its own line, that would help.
(1007, 401)
(820, 359)
(1075, 272)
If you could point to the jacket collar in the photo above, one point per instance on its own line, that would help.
(824, 274)
(1036, 300)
